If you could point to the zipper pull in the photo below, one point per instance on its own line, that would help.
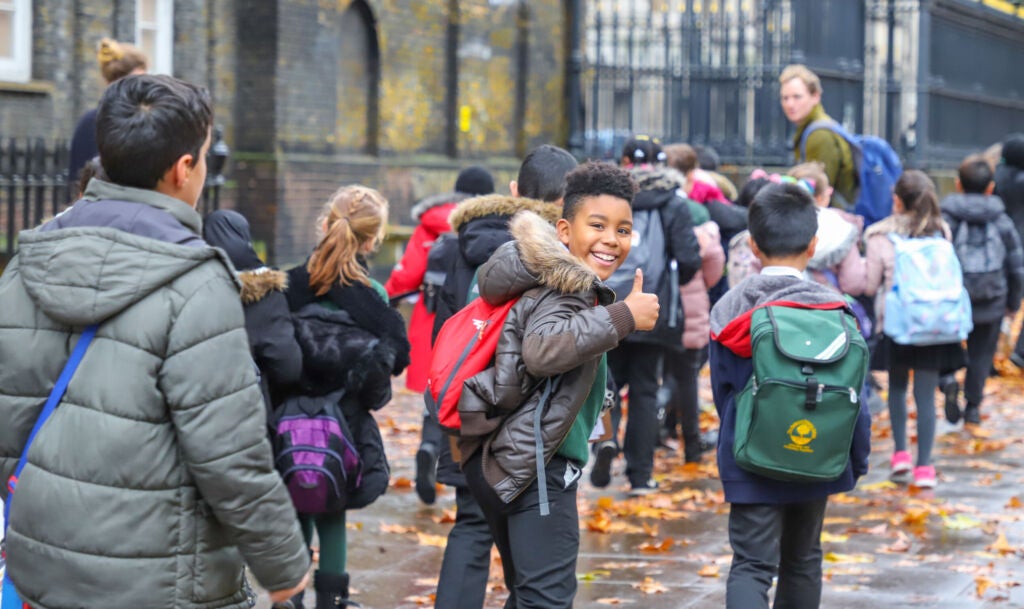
(753, 390)
(853, 396)
(821, 391)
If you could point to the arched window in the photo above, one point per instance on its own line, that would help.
(359, 79)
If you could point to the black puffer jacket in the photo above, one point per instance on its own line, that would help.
(554, 329)
(351, 339)
(481, 224)
(659, 190)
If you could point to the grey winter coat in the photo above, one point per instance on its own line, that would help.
(153, 481)
(554, 329)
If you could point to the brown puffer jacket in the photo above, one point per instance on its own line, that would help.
(554, 330)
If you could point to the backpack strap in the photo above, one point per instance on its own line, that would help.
(11, 599)
(542, 480)
(822, 123)
(51, 405)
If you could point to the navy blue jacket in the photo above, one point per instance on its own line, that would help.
(730, 373)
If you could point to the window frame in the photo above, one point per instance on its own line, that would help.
(18, 68)
(162, 61)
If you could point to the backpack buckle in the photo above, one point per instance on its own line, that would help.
(813, 393)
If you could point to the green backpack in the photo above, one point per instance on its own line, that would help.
(796, 417)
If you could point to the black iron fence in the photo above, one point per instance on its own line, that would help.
(938, 79)
(34, 184)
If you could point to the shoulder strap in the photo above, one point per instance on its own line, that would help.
(51, 405)
(823, 123)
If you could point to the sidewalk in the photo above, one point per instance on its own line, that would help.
(957, 547)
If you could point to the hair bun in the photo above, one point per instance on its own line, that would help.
(109, 50)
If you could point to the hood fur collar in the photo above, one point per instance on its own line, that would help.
(429, 203)
(835, 238)
(899, 224)
(501, 205)
(257, 283)
(546, 258)
(649, 177)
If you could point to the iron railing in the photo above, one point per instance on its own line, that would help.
(34, 185)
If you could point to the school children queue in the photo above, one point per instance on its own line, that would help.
(204, 411)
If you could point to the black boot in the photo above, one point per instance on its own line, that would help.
(332, 590)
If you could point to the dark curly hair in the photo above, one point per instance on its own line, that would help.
(593, 179)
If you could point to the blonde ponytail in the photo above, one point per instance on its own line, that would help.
(118, 60)
(353, 217)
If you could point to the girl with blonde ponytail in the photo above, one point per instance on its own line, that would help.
(915, 215)
(352, 343)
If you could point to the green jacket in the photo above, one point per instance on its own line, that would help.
(828, 148)
(153, 481)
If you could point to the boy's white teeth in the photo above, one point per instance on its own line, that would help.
(605, 257)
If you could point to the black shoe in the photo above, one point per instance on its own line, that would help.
(426, 473)
(644, 488)
(972, 415)
(601, 474)
(951, 392)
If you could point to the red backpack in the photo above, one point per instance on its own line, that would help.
(464, 347)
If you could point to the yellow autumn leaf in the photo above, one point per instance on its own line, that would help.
(960, 522)
(649, 586)
(884, 485)
(1002, 546)
(837, 558)
(1014, 503)
(426, 539)
(827, 537)
(709, 571)
(981, 583)
(594, 575)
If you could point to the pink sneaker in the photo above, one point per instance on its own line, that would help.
(900, 462)
(924, 476)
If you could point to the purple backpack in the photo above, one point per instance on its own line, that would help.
(315, 453)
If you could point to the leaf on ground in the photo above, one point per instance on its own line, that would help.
(398, 529)
(915, 516)
(402, 482)
(960, 522)
(827, 537)
(981, 584)
(837, 520)
(1014, 503)
(613, 600)
(426, 539)
(837, 558)
(650, 529)
(594, 575)
(1002, 546)
(884, 485)
(446, 517)
(709, 571)
(878, 529)
(901, 545)
(653, 547)
(421, 599)
(649, 586)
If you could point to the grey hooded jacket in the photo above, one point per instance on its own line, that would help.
(153, 481)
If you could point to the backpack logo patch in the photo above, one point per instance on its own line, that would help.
(801, 433)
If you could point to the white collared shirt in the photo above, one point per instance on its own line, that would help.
(782, 271)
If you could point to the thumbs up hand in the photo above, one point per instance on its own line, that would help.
(644, 307)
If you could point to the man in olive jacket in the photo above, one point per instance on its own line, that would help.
(800, 93)
(152, 483)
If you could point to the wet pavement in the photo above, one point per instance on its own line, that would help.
(957, 547)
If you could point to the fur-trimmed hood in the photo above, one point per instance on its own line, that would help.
(535, 257)
(501, 205)
(650, 177)
(425, 205)
(835, 238)
(257, 283)
(899, 224)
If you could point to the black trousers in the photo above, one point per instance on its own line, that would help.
(681, 371)
(538, 553)
(982, 343)
(638, 366)
(467, 557)
(770, 539)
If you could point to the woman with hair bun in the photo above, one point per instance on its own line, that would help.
(116, 60)
(352, 343)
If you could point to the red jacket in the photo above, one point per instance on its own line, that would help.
(407, 276)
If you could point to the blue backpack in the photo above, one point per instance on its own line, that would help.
(877, 169)
(927, 304)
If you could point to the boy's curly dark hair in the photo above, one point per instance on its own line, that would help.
(593, 179)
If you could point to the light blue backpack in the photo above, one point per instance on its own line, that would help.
(927, 304)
